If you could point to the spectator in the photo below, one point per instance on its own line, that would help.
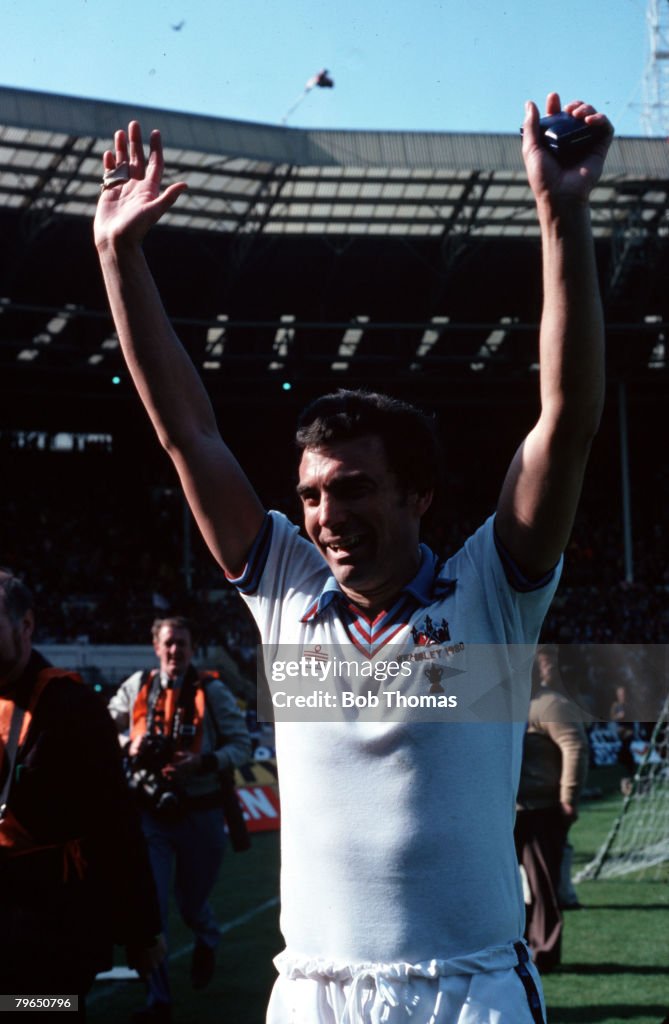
(554, 768)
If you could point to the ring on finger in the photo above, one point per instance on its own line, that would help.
(115, 176)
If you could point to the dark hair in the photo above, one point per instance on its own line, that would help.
(175, 621)
(409, 436)
(18, 597)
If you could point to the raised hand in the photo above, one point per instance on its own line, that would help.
(547, 177)
(127, 210)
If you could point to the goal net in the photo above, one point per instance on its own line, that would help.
(639, 838)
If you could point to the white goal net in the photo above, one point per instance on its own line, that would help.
(639, 838)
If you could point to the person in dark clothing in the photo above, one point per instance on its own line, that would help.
(553, 773)
(74, 872)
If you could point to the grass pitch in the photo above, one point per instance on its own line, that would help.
(615, 955)
(247, 906)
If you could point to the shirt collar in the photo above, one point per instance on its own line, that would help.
(170, 684)
(424, 588)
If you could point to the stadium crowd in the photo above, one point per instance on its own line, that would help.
(105, 556)
(104, 562)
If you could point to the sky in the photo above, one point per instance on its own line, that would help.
(435, 65)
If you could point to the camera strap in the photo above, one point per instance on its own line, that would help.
(9, 745)
(175, 712)
(15, 717)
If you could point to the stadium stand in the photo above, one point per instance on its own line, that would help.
(299, 260)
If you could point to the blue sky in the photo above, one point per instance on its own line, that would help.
(452, 65)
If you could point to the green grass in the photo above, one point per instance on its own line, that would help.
(615, 952)
(615, 955)
(244, 976)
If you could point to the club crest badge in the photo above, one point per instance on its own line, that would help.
(429, 633)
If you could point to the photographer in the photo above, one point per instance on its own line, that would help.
(186, 735)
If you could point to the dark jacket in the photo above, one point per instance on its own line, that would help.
(69, 785)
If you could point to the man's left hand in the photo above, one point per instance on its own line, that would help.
(182, 766)
(548, 178)
(569, 813)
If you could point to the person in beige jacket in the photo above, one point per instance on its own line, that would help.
(555, 764)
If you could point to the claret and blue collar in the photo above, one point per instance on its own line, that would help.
(368, 635)
(424, 589)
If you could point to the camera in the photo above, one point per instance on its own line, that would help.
(568, 138)
(145, 777)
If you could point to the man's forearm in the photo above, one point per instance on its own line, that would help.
(225, 506)
(573, 745)
(162, 370)
(572, 327)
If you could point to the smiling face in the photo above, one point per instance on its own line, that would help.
(363, 524)
(174, 648)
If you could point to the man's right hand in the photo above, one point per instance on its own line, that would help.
(127, 211)
(228, 512)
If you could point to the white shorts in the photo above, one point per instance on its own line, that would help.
(467, 990)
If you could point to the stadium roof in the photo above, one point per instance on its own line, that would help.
(252, 177)
(321, 254)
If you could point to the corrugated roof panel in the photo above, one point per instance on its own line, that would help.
(274, 144)
(322, 189)
(408, 211)
(91, 165)
(300, 209)
(14, 136)
(348, 190)
(357, 179)
(74, 208)
(22, 181)
(26, 158)
(412, 191)
(82, 190)
(322, 211)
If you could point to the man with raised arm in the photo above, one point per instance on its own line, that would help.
(400, 889)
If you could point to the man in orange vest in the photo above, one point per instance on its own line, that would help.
(186, 735)
(74, 871)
